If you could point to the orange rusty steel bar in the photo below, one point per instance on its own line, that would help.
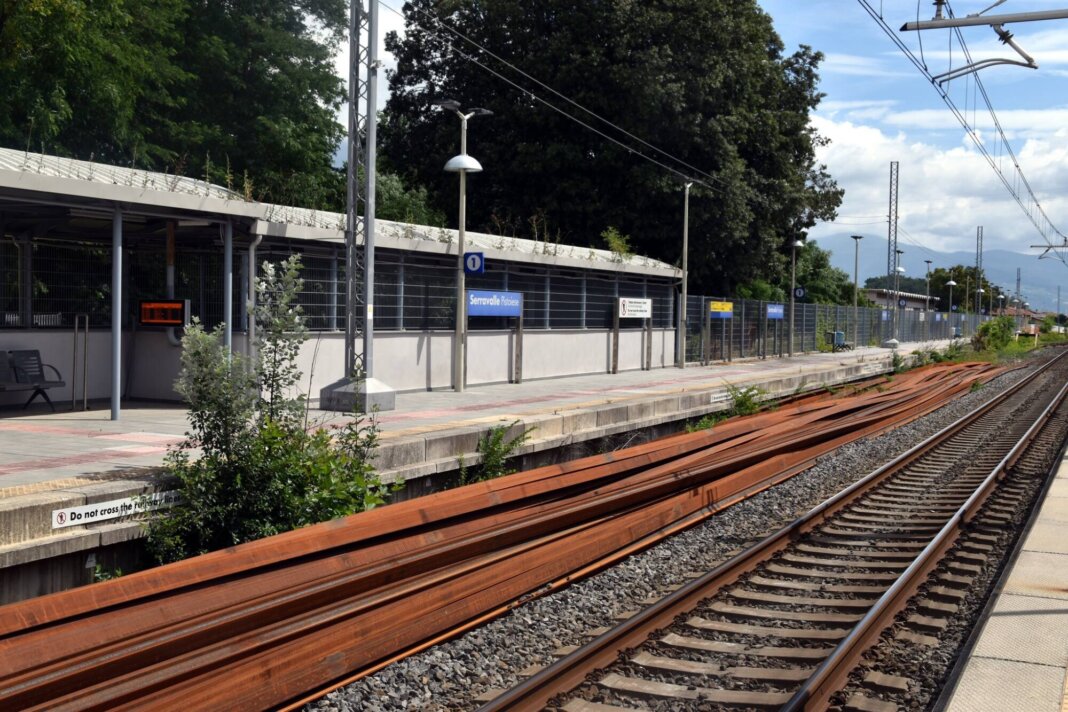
(190, 632)
(535, 692)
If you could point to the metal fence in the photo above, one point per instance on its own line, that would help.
(413, 292)
(417, 292)
(750, 333)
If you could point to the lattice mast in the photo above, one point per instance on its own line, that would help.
(891, 248)
(360, 188)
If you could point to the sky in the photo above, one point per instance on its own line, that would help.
(879, 108)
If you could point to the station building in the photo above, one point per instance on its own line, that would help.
(78, 237)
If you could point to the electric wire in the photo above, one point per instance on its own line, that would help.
(1045, 225)
(441, 23)
(630, 149)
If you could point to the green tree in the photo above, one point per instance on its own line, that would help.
(215, 90)
(90, 78)
(963, 290)
(823, 283)
(705, 80)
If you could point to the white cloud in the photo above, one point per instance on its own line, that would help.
(861, 66)
(944, 193)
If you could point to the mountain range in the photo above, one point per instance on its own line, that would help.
(1039, 278)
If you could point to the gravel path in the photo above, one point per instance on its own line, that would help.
(453, 675)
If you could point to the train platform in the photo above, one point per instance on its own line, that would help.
(62, 465)
(1020, 660)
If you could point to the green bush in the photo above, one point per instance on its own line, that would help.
(259, 470)
(995, 334)
(495, 450)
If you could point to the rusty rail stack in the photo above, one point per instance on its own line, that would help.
(803, 605)
(266, 624)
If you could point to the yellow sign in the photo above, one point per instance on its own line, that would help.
(721, 306)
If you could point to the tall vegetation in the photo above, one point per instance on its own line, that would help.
(259, 470)
(707, 81)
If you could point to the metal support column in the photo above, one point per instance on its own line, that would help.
(116, 313)
(25, 247)
(228, 286)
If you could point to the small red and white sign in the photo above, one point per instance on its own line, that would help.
(103, 511)
(630, 308)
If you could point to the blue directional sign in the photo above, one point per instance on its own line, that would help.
(775, 311)
(474, 263)
(483, 303)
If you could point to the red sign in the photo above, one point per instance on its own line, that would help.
(164, 312)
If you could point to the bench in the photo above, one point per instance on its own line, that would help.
(24, 371)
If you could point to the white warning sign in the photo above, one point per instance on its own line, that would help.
(103, 511)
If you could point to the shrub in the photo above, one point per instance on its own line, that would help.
(994, 334)
(495, 451)
(259, 471)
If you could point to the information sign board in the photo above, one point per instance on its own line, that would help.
(775, 311)
(474, 263)
(721, 310)
(630, 308)
(484, 303)
(164, 312)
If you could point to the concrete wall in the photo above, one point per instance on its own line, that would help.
(406, 360)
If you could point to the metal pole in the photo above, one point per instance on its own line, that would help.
(461, 306)
(370, 138)
(685, 273)
(228, 287)
(793, 287)
(116, 313)
(355, 9)
(856, 288)
(927, 305)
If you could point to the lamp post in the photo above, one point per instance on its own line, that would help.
(951, 284)
(1001, 305)
(793, 288)
(462, 164)
(927, 305)
(685, 272)
(895, 315)
(979, 306)
(856, 286)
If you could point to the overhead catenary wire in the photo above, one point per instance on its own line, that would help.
(630, 149)
(569, 100)
(1041, 221)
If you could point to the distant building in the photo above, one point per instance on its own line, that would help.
(913, 302)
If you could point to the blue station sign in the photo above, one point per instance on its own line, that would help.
(483, 303)
(775, 311)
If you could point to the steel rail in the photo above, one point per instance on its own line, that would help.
(571, 670)
(830, 676)
(247, 624)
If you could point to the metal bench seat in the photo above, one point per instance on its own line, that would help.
(23, 370)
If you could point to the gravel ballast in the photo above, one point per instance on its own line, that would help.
(454, 675)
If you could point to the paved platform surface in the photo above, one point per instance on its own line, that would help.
(42, 451)
(1020, 663)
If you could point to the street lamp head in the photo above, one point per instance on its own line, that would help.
(928, 262)
(481, 112)
(899, 251)
(798, 243)
(981, 290)
(951, 283)
(450, 104)
(463, 163)
(901, 270)
(857, 237)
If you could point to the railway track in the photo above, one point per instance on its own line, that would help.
(273, 622)
(784, 624)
